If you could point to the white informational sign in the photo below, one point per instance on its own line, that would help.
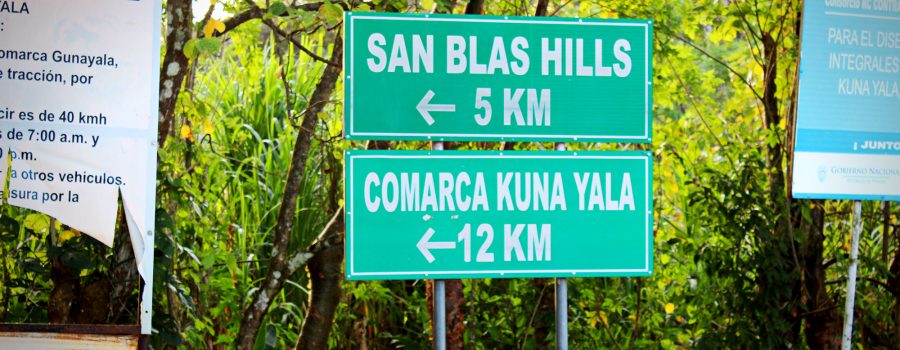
(848, 113)
(79, 86)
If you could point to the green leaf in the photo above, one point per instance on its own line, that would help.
(231, 263)
(331, 13)
(277, 8)
(38, 223)
(190, 48)
(209, 261)
(8, 228)
(307, 19)
(804, 211)
(208, 45)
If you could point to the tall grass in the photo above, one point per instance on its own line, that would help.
(224, 187)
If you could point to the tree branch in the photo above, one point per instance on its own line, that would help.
(280, 265)
(298, 44)
(752, 39)
(541, 9)
(240, 18)
(254, 12)
(560, 7)
(717, 60)
(475, 7)
(637, 315)
(331, 235)
(894, 291)
(697, 110)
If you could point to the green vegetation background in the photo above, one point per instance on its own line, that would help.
(734, 256)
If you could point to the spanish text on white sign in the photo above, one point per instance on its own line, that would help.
(78, 114)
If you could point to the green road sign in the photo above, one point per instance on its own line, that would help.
(443, 77)
(475, 214)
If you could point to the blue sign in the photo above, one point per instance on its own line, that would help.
(848, 113)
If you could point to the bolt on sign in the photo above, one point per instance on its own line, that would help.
(442, 77)
(420, 214)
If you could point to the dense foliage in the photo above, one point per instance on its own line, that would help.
(738, 264)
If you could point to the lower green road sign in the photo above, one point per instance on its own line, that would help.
(474, 214)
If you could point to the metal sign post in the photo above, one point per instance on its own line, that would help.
(440, 315)
(562, 300)
(562, 314)
(440, 296)
(846, 339)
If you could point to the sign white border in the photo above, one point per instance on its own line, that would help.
(350, 132)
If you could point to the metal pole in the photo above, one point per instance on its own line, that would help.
(562, 315)
(440, 295)
(851, 278)
(440, 316)
(562, 300)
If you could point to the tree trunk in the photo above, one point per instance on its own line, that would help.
(475, 7)
(541, 9)
(787, 260)
(894, 284)
(64, 294)
(327, 252)
(325, 275)
(175, 63)
(279, 262)
(886, 231)
(824, 323)
(123, 272)
(774, 153)
(94, 300)
(69, 301)
(456, 318)
(545, 313)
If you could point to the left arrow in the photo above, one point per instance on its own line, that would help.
(425, 107)
(425, 245)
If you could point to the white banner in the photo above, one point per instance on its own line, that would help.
(78, 113)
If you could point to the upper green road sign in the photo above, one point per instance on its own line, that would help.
(474, 214)
(442, 77)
